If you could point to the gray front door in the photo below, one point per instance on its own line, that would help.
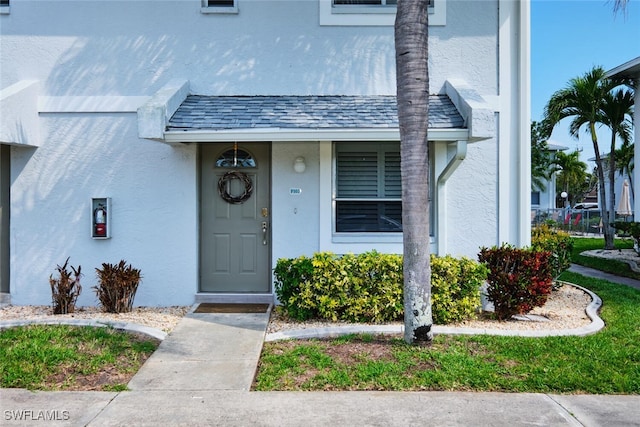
(235, 218)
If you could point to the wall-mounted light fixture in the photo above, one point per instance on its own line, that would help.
(298, 165)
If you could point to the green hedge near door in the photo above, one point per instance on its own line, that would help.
(368, 287)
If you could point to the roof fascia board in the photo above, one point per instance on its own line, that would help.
(628, 68)
(154, 115)
(19, 123)
(305, 135)
(478, 113)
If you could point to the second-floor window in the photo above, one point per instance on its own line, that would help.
(372, 12)
(219, 6)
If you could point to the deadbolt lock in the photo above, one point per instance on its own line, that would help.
(265, 212)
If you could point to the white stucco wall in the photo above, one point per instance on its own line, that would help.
(96, 62)
(296, 218)
(154, 214)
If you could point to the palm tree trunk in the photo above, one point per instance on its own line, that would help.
(612, 182)
(606, 227)
(411, 41)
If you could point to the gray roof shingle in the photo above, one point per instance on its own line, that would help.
(303, 112)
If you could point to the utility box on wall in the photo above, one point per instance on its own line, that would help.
(101, 217)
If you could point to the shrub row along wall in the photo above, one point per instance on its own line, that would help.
(369, 287)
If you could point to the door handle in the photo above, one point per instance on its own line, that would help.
(264, 232)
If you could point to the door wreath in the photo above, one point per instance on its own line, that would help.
(223, 187)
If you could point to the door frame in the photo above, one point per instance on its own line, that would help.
(235, 297)
(5, 215)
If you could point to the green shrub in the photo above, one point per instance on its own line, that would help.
(65, 289)
(117, 286)
(455, 288)
(369, 287)
(355, 288)
(519, 279)
(559, 243)
(290, 275)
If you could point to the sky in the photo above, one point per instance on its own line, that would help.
(569, 38)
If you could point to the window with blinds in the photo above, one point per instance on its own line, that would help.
(219, 6)
(366, 2)
(368, 189)
(370, 3)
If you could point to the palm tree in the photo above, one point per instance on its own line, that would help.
(572, 174)
(583, 100)
(619, 6)
(412, 74)
(617, 110)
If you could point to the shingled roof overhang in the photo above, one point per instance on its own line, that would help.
(304, 118)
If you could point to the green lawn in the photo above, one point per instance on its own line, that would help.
(605, 363)
(47, 357)
(610, 266)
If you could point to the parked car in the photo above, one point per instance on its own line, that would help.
(585, 206)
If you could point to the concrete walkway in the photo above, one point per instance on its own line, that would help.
(597, 274)
(206, 352)
(202, 372)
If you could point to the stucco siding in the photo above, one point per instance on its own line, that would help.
(154, 209)
(133, 48)
(296, 217)
(85, 66)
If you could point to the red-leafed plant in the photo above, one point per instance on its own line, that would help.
(65, 288)
(117, 286)
(518, 280)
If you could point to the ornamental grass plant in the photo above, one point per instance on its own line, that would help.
(117, 286)
(65, 288)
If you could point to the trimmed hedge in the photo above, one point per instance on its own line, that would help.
(369, 287)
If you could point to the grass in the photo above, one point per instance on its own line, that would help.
(610, 266)
(604, 363)
(58, 357)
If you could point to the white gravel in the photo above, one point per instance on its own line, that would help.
(564, 309)
(162, 318)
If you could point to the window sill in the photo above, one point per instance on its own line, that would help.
(218, 10)
(367, 238)
(5, 10)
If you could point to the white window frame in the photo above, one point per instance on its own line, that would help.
(372, 15)
(350, 235)
(205, 8)
(5, 9)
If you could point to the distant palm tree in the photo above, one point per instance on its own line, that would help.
(572, 174)
(582, 101)
(540, 158)
(625, 163)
